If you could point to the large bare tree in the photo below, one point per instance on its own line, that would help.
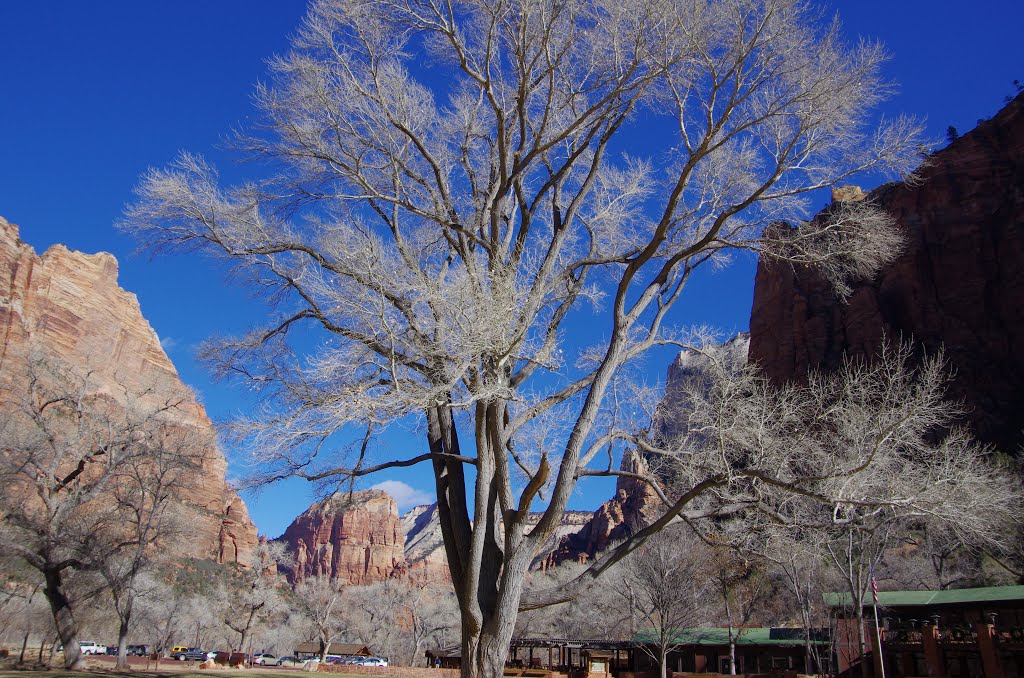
(460, 195)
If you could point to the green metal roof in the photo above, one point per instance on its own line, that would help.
(720, 636)
(987, 594)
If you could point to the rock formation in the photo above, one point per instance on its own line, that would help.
(959, 284)
(617, 518)
(355, 538)
(67, 307)
(633, 503)
(424, 544)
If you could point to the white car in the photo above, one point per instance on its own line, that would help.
(89, 647)
(372, 661)
(264, 659)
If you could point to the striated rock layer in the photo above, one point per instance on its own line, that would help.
(959, 284)
(352, 538)
(66, 306)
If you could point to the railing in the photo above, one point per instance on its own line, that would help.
(903, 638)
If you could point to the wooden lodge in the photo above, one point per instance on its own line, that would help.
(963, 633)
(758, 650)
(701, 650)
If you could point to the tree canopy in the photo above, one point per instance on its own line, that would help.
(454, 193)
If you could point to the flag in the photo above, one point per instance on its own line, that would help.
(874, 590)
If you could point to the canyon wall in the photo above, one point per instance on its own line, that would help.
(959, 284)
(66, 307)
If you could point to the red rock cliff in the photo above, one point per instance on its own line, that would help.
(68, 306)
(355, 538)
(959, 284)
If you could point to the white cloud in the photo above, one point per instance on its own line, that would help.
(167, 344)
(405, 496)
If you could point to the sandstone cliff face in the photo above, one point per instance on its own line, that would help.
(66, 306)
(959, 284)
(355, 539)
(425, 559)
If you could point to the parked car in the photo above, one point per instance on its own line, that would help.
(137, 650)
(178, 649)
(372, 661)
(89, 647)
(191, 653)
(264, 659)
(290, 661)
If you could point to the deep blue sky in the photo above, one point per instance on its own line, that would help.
(94, 93)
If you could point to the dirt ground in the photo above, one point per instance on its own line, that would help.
(103, 667)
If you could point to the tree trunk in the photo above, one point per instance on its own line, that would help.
(663, 662)
(24, 646)
(483, 656)
(67, 628)
(865, 672)
(122, 640)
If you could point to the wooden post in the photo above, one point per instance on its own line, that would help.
(932, 651)
(987, 647)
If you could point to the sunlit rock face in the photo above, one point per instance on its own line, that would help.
(66, 307)
(425, 559)
(353, 538)
(959, 284)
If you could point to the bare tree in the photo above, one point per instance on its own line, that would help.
(146, 518)
(667, 584)
(742, 589)
(859, 456)
(257, 598)
(441, 223)
(66, 447)
(319, 600)
(799, 557)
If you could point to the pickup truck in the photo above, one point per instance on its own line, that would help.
(89, 647)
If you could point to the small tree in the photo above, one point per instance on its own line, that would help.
(255, 598)
(319, 601)
(741, 589)
(667, 584)
(799, 557)
(146, 517)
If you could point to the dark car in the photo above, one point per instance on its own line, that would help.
(137, 650)
(193, 654)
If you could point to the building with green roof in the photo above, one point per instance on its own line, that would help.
(958, 633)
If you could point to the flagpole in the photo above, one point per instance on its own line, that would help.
(878, 633)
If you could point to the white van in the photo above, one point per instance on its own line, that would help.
(89, 647)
